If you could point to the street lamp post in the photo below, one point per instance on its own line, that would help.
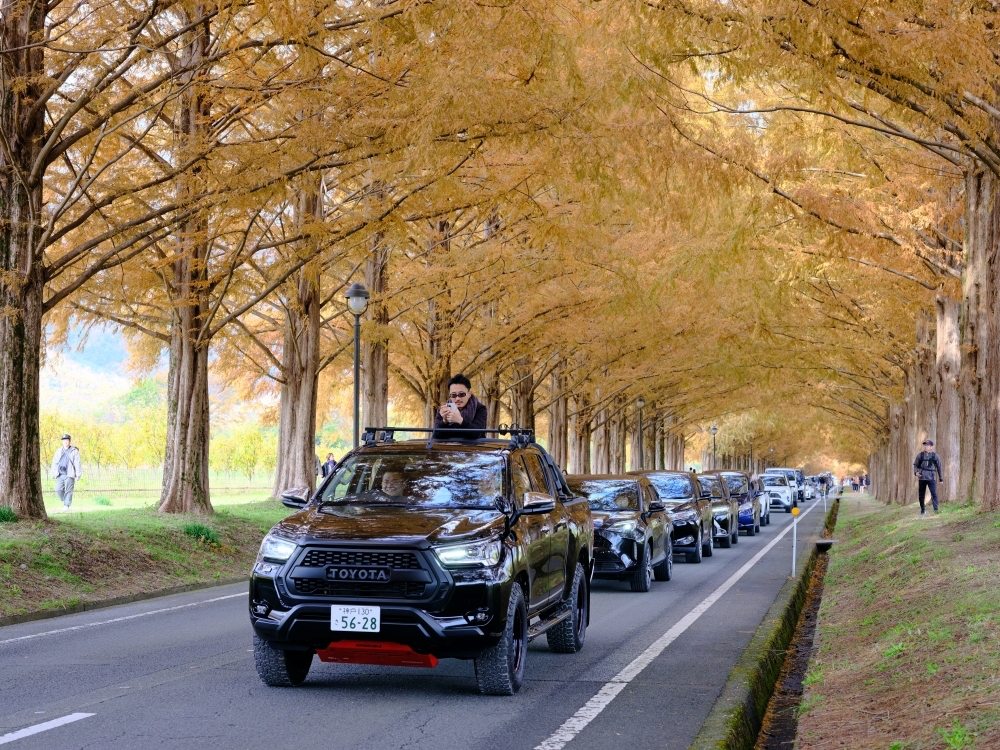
(357, 302)
(640, 402)
(772, 455)
(713, 429)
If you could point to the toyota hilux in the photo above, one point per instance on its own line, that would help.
(417, 550)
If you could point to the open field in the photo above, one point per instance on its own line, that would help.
(103, 554)
(908, 654)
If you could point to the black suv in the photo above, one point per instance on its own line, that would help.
(631, 529)
(691, 510)
(725, 510)
(418, 550)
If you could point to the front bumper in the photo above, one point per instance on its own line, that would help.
(684, 536)
(614, 558)
(720, 527)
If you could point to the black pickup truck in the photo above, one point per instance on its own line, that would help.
(416, 550)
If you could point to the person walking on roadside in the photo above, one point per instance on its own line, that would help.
(66, 470)
(927, 469)
(329, 465)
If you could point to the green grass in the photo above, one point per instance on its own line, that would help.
(103, 501)
(7, 515)
(108, 553)
(202, 533)
(908, 630)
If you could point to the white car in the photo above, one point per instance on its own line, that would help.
(798, 492)
(779, 494)
(810, 490)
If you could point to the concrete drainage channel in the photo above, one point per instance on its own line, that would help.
(746, 705)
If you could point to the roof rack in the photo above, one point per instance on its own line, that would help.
(519, 436)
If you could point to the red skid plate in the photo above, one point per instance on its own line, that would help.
(375, 652)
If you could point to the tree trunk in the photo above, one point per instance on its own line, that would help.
(375, 344)
(185, 468)
(439, 335)
(579, 436)
(602, 442)
(949, 358)
(523, 394)
(296, 467)
(490, 396)
(619, 437)
(22, 26)
(926, 379)
(558, 420)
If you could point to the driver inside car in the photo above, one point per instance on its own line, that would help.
(393, 484)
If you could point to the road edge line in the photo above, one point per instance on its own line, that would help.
(737, 715)
(45, 726)
(49, 614)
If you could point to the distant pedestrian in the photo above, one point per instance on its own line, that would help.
(66, 470)
(329, 465)
(855, 484)
(927, 469)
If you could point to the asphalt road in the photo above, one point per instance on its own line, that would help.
(177, 672)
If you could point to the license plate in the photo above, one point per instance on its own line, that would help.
(355, 619)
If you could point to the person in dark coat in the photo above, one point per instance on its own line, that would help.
(463, 410)
(927, 468)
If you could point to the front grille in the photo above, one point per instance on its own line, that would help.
(319, 587)
(607, 564)
(601, 542)
(325, 558)
(320, 558)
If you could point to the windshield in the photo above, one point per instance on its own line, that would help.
(426, 480)
(774, 480)
(608, 494)
(711, 483)
(737, 484)
(671, 486)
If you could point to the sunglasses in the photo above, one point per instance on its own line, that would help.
(458, 395)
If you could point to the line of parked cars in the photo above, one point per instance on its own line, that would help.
(416, 550)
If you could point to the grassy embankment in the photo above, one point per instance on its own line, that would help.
(81, 557)
(909, 632)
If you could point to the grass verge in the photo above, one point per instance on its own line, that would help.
(909, 630)
(66, 561)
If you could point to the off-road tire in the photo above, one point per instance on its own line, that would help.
(279, 668)
(707, 547)
(500, 669)
(568, 636)
(641, 580)
(665, 570)
(695, 557)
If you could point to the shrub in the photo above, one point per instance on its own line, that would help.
(101, 500)
(202, 533)
(7, 515)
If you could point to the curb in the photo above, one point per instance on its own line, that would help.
(48, 614)
(735, 720)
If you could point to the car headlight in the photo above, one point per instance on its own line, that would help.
(472, 555)
(275, 549)
(686, 515)
(622, 528)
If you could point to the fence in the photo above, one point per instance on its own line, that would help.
(146, 481)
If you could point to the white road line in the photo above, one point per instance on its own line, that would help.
(44, 727)
(592, 708)
(119, 619)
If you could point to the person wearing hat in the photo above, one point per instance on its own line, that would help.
(66, 470)
(927, 468)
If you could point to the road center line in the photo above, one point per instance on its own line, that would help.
(592, 708)
(44, 727)
(119, 619)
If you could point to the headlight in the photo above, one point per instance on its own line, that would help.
(686, 515)
(275, 549)
(473, 555)
(622, 528)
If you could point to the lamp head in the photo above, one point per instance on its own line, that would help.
(640, 402)
(357, 298)
(713, 429)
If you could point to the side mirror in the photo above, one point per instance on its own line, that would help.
(706, 494)
(295, 498)
(657, 507)
(536, 503)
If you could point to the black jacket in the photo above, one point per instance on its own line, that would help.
(926, 465)
(473, 418)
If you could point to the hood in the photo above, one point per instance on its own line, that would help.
(606, 518)
(411, 526)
